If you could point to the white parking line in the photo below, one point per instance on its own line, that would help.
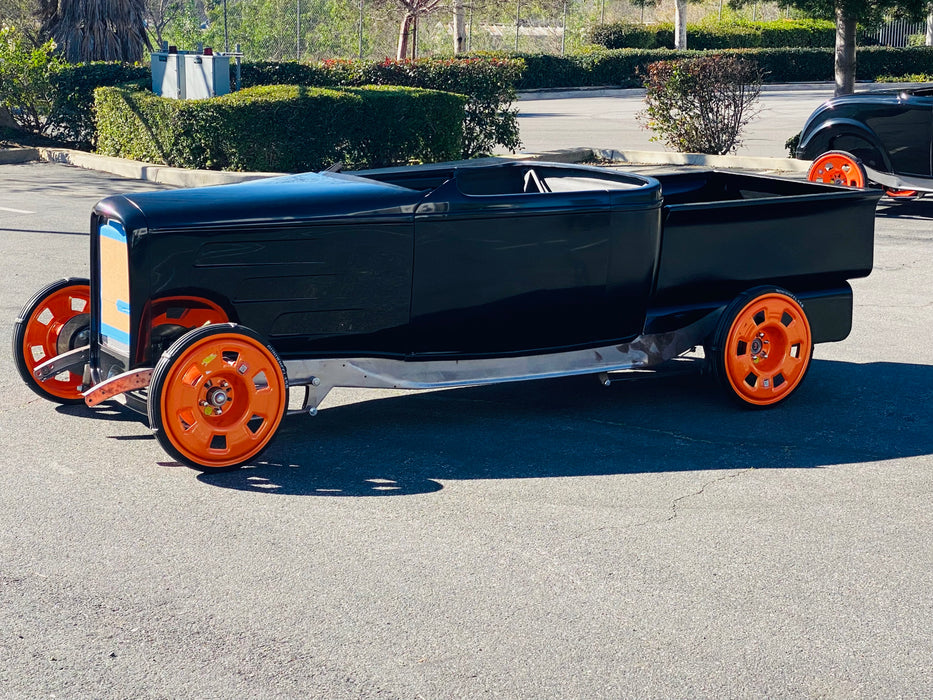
(16, 211)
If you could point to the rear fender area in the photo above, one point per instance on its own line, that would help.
(845, 135)
(828, 309)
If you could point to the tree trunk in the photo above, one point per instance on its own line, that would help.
(403, 33)
(929, 37)
(459, 28)
(680, 25)
(845, 53)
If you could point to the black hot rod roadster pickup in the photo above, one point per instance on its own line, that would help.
(205, 307)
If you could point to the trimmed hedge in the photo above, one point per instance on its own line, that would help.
(621, 67)
(314, 127)
(72, 117)
(777, 34)
(488, 81)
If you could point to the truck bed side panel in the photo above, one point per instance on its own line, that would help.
(724, 233)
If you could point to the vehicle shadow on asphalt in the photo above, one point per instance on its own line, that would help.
(843, 413)
(908, 209)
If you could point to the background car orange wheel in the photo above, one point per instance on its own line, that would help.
(217, 396)
(838, 168)
(55, 320)
(762, 346)
(903, 195)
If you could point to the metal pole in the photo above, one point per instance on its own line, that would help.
(361, 30)
(518, 19)
(239, 81)
(226, 43)
(298, 30)
(563, 31)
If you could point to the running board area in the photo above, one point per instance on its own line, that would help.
(319, 376)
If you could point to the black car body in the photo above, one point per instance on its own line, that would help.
(444, 275)
(889, 132)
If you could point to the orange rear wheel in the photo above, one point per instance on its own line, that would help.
(901, 194)
(762, 347)
(838, 168)
(55, 320)
(217, 397)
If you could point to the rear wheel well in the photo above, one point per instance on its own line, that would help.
(854, 144)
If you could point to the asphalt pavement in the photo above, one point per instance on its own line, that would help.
(555, 539)
(607, 119)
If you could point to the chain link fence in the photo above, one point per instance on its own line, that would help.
(277, 30)
(282, 30)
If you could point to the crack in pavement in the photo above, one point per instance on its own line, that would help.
(674, 505)
(703, 488)
(677, 501)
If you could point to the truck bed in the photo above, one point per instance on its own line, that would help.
(724, 232)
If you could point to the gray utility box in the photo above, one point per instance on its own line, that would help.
(190, 76)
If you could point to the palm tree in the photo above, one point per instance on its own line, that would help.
(96, 30)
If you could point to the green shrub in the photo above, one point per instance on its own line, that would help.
(26, 80)
(48, 97)
(619, 68)
(488, 81)
(705, 36)
(874, 61)
(906, 78)
(281, 128)
(627, 35)
(72, 118)
(700, 105)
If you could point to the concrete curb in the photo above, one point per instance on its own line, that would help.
(723, 162)
(181, 177)
(138, 170)
(18, 155)
(580, 155)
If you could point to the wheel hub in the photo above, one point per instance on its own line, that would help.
(216, 398)
(758, 348)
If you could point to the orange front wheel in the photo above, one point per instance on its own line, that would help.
(217, 396)
(55, 320)
(762, 346)
(838, 168)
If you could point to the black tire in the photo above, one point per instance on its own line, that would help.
(217, 397)
(68, 329)
(762, 347)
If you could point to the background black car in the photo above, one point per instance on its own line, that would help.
(881, 137)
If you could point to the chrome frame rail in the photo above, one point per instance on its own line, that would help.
(319, 376)
(899, 182)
